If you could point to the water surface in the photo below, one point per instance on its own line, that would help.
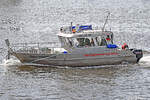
(40, 20)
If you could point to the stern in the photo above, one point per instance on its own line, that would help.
(138, 53)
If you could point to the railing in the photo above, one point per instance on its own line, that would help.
(37, 48)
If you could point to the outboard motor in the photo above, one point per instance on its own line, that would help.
(138, 53)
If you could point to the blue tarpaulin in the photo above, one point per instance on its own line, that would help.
(112, 46)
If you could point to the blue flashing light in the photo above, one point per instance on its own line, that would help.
(84, 27)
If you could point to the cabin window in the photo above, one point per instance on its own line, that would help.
(98, 40)
(75, 42)
(85, 42)
(66, 41)
(62, 40)
(92, 42)
(81, 42)
(103, 42)
(112, 38)
(69, 42)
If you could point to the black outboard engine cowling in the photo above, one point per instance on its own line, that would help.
(138, 53)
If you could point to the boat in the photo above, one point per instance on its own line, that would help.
(80, 45)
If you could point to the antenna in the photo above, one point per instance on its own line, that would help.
(9, 49)
(8, 45)
(71, 27)
(105, 22)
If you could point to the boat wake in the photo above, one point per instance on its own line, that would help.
(11, 62)
(145, 60)
(16, 63)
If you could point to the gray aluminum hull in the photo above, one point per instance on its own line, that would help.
(78, 59)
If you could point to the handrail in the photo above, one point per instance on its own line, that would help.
(36, 48)
(38, 44)
(35, 43)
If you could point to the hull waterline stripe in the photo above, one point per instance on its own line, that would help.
(101, 54)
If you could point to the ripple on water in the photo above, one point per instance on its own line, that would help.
(40, 20)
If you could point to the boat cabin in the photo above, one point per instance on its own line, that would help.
(84, 36)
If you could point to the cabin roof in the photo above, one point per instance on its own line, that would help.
(87, 33)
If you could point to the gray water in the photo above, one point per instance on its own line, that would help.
(40, 20)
